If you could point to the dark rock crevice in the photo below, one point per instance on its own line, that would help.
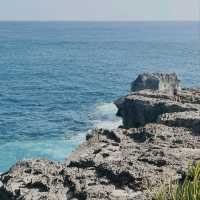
(120, 180)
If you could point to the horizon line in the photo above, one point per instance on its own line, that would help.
(99, 20)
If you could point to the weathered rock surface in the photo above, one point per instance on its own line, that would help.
(140, 108)
(132, 160)
(159, 138)
(157, 81)
(182, 119)
(34, 179)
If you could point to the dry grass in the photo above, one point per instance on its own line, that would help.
(189, 189)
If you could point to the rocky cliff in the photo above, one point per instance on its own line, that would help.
(159, 137)
(156, 81)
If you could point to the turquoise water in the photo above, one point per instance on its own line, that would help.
(58, 79)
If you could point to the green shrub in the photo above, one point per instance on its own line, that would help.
(189, 189)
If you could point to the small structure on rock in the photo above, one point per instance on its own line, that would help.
(167, 83)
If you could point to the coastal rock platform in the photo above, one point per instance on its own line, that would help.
(159, 138)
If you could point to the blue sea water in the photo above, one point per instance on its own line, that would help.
(58, 79)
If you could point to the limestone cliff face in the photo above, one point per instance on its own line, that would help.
(146, 106)
(156, 81)
(159, 137)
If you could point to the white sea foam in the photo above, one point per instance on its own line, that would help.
(53, 149)
(108, 124)
(105, 116)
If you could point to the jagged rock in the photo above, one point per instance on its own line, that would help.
(106, 168)
(183, 119)
(190, 95)
(132, 165)
(34, 179)
(138, 109)
(157, 81)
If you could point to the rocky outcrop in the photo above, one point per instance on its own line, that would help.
(139, 159)
(157, 81)
(158, 139)
(140, 108)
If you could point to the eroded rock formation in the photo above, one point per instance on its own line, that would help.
(158, 81)
(140, 108)
(160, 136)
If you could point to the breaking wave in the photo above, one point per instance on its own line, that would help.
(105, 116)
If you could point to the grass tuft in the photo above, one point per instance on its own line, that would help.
(188, 189)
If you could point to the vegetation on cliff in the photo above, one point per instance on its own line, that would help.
(186, 189)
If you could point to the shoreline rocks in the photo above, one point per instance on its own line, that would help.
(138, 109)
(160, 136)
(166, 83)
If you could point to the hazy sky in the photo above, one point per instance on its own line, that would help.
(100, 10)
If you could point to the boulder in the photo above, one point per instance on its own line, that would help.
(166, 83)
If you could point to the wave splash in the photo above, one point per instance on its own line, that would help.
(105, 116)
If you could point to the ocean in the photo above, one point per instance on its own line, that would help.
(58, 79)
